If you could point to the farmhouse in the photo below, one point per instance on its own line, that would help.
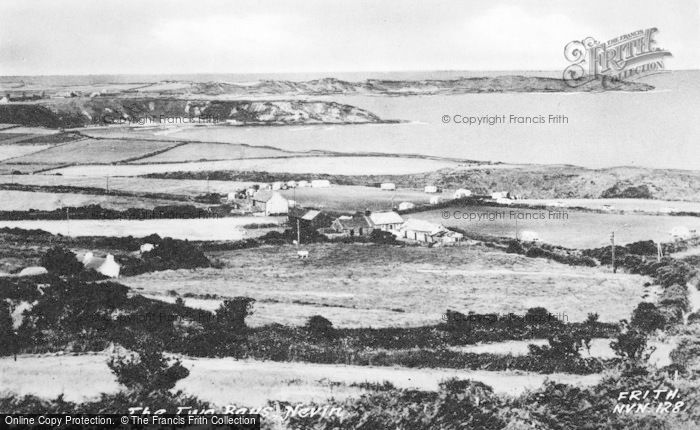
(427, 232)
(356, 225)
(106, 266)
(462, 193)
(529, 236)
(386, 221)
(431, 189)
(388, 186)
(320, 183)
(4, 100)
(303, 184)
(271, 204)
(435, 200)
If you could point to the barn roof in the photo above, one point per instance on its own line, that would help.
(383, 218)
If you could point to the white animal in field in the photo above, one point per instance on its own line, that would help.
(303, 254)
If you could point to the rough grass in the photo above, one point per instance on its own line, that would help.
(211, 151)
(96, 151)
(368, 285)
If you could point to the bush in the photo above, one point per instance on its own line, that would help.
(61, 261)
(8, 338)
(147, 370)
(319, 326)
(647, 318)
(233, 312)
(382, 237)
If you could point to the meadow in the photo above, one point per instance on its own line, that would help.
(230, 228)
(25, 200)
(355, 285)
(96, 151)
(227, 381)
(211, 151)
(340, 165)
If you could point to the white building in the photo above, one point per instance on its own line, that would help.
(277, 185)
(385, 220)
(320, 183)
(146, 247)
(303, 184)
(431, 189)
(271, 204)
(435, 200)
(4, 100)
(388, 186)
(291, 184)
(404, 206)
(427, 232)
(462, 193)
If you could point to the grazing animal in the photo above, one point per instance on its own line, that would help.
(303, 254)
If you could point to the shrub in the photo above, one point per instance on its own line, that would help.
(382, 237)
(147, 370)
(647, 317)
(630, 345)
(8, 337)
(233, 312)
(319, 326)
(61, 261)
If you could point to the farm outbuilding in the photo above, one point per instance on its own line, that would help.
(388, 186)
(427, 232)
(385, 220)
(431, 189)
(303, 184)
(272, 204)
(355, 225)
(435, 200)
(320, 183)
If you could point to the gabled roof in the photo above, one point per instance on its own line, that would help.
(383, 218)
(414, 224)
(357, 221)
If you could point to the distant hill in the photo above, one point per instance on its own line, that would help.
(332, 86)
(78, 112)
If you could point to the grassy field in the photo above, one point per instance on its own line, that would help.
(580, 230)
(12, 151)
(230, 228)
(96, 151)
(369, 285)
(211, 151)
(331, 165)
(248, 383)
(25, 200)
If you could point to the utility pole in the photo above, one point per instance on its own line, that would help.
(67, 223)
(516, 229)
(107, 184)
(298, 233)
(612, 241)
(659, 252)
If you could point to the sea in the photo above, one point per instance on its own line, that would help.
(655, 129)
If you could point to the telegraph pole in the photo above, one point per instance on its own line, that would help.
(298, 233)
(612, 241)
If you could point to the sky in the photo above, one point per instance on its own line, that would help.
(69, 37)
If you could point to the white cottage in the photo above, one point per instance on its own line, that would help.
(462, 193)
(106, 266)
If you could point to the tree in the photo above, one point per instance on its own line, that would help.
(233, 312)
(61, 261)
